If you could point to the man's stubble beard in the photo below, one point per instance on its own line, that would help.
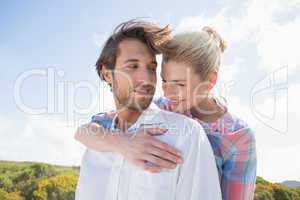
(127, 101)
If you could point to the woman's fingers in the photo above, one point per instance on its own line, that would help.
(149, 153)
(156, 131)
(164, 146)
(154, 160)
(147, 166)
(165, 155)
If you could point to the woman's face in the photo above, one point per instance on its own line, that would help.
(182, 85)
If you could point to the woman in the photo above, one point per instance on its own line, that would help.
(190, 68)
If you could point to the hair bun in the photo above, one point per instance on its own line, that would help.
(213, 33)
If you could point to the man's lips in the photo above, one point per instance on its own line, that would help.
(141, 92)
(144, 93)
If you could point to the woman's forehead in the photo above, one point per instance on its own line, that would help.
(176, 71)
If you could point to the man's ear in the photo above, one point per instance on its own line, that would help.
(107, 75)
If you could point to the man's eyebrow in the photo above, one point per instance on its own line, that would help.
(131, 60)
(137, 60)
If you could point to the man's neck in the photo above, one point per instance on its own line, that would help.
(127, 117)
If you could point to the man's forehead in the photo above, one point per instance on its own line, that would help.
(135, 50)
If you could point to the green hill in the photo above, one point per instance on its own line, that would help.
(275, 191)
(36, 181)
(40, 181)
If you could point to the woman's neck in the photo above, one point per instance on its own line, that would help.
(207, 110)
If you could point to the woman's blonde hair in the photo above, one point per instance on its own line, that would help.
(201, 49)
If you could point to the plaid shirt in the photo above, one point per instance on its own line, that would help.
(233, 144)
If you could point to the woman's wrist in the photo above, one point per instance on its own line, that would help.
(116, 141)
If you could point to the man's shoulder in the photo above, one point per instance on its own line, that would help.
(177, 117)
(184, 133)
(182, 124)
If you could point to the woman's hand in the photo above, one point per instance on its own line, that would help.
(140, 148)
(145, 151)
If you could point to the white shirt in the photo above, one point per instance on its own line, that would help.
(108, 176)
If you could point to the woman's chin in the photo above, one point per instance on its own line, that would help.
(178, 108)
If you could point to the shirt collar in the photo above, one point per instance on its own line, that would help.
(146, 115)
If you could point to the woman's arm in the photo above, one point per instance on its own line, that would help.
(239, 168)
(139, 148)
(97, 138)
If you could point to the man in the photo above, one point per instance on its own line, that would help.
(127, 63)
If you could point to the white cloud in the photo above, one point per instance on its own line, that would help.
(277, 151)
(41, 139)
(276, 40)
(280, 47)
(99, 39)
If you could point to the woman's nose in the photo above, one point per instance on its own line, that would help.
(169, 90)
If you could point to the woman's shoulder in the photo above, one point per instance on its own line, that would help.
(104, 118)
(229, 122)
(234, 122)
(162, 103)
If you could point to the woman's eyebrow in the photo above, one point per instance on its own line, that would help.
(177, 80)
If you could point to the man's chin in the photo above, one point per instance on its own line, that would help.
(141, 104)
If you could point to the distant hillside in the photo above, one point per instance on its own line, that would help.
(6, 164)
(292, 184)
(40, 181)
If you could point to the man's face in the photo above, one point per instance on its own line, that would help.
(134, 77)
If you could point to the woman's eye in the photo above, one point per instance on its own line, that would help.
(181, 85)
(153, 69)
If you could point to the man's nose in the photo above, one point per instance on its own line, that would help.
(145, 76)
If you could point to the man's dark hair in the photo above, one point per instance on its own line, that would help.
(146, 32)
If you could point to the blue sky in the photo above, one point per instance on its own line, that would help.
(259, 73)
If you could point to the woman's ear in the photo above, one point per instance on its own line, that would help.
(107, 75)
(212, 79)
